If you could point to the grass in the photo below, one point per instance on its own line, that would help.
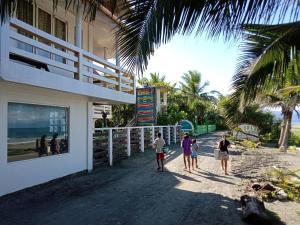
(288, 181)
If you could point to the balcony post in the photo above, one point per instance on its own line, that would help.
(78, 26)
(4, 46)
(118, 62)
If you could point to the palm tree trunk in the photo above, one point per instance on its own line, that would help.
(287, 130)
(283, 125)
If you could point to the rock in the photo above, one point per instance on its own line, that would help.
(269, 187)
(256, 186)
(281, 195)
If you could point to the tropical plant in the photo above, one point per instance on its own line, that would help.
(155, 80)
(151, 23)
(269, 62)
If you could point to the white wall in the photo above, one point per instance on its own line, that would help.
(21, 174)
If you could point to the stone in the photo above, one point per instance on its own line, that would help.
(281, 195)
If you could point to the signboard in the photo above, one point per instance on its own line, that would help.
(145, 106)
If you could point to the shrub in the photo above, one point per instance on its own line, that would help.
(294, 138)
(249, 144)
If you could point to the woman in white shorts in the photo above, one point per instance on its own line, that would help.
(224, 153)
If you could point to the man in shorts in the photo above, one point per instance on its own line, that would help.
(158, 146)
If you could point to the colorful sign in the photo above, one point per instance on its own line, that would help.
(145, 106)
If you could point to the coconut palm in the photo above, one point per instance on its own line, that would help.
(268, 63)
(193, 88)
(151, 23)
(156, 80)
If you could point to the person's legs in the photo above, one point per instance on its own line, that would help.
(157, 160)
(222, 163)
(162, 165)
(196, 160)
(189, 162)
(225, 162)
(184, 161)
(193, 163)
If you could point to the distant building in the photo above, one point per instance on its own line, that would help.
(247, 131)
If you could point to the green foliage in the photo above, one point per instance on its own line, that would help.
(287, 180)
(292, 149)
(294, 138)
(249, 144)
(122, 114)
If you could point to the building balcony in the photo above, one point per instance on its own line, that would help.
(33, 57)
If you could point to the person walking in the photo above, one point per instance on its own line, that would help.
(186, 148)
(224, 153)
(158, 145)
(194, 155)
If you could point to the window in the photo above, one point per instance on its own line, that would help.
(36, 131)
(44, 24)
(60, 32)
(25, 14)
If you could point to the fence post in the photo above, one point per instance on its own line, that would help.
(128, 143)
(175, 138)
(90, 128)
(169, 135)
(161, 130)
(142, 140)
(110, 147)
(153, 134)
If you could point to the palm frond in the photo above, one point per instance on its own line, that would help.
(151, 23)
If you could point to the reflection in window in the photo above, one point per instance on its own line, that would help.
(36, 131)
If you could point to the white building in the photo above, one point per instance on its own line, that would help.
(54, 65)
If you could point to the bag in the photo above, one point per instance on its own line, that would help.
(217, 154)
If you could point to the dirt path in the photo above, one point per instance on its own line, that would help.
(133, 193)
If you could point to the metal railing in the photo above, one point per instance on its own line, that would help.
(121, 142)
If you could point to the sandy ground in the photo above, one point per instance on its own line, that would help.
(134, 193)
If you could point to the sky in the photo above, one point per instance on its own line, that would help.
(214, 59)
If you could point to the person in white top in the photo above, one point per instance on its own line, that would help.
(158, 146)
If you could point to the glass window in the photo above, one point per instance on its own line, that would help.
(25, 14)
(44, 24)
(60, 32)
(36, 131)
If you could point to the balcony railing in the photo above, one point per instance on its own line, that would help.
(33, 47)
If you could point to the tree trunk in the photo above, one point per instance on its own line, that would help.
(282, 129)
(287, 130)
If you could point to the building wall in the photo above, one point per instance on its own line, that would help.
(17, 175)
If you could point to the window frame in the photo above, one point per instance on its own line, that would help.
(68, 107)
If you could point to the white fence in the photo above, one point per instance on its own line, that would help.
(121, 142)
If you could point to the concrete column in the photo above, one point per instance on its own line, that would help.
(90, 131)
(128, 143)
(78, 27)
(142, 139)
(110, 147)
(4, 46)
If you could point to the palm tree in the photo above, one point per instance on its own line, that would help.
(270, 62)
(193, 88)
(151, 23)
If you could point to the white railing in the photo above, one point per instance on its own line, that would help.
(31, 46)
(170, 134)
(98, 109)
